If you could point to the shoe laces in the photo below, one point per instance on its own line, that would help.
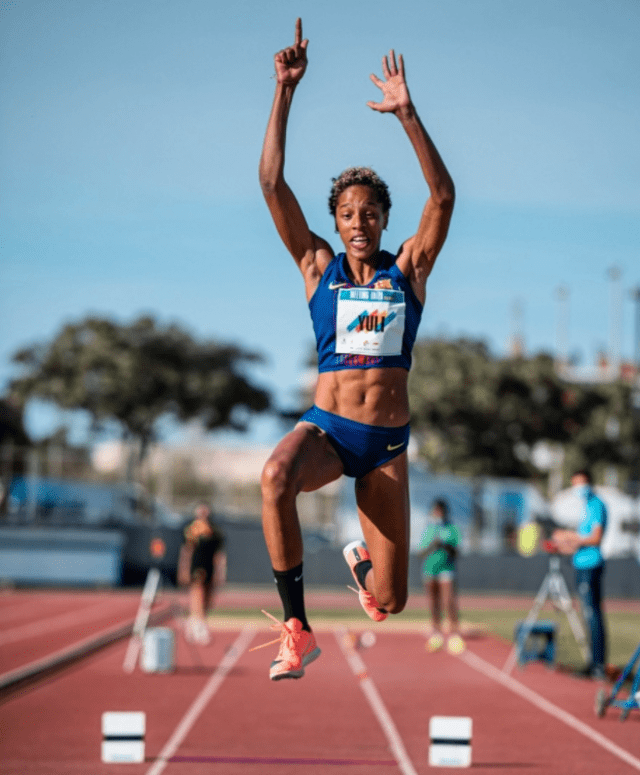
(363, 593)
(286, 636)
(368, 599)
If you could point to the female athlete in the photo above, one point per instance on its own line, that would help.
(365, 304)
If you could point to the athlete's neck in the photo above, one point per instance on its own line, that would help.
(362, 271)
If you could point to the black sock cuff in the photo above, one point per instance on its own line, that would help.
(287, 574)
(291, 590)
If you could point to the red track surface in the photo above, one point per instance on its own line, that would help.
(35, 624)
(323, 723)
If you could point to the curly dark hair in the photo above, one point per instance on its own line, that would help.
(359, 176)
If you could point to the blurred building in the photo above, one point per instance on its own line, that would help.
(227, 477)
(603, 371)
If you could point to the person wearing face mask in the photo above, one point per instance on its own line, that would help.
(584, 544)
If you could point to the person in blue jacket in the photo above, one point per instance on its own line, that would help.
(585, 546)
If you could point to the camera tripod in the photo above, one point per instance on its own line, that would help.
(554, 588)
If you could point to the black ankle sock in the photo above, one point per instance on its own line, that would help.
(291, 591)
(361, 569)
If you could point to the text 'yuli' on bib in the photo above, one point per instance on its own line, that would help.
(370, 321)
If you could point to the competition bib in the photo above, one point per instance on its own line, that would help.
(370, 321)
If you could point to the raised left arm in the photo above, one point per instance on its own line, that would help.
(418, 254)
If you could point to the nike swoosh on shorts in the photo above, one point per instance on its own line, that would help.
(390, 447)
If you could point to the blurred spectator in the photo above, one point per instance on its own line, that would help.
(203, 567)
(438, 548)
(584, 545)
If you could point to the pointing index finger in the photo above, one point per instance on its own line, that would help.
(298, 31)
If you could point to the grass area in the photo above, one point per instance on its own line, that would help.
(623, 629)
(623, 632)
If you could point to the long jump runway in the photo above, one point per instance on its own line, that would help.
(355, 711)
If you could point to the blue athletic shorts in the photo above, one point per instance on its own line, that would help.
(361, 448)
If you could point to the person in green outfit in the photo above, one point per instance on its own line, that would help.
(438, 548)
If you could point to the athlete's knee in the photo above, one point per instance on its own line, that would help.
(393, 600)
(396, 605)
(276, 478)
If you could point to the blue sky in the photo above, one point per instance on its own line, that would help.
(130, 133)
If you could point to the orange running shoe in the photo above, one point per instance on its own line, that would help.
(354, 553)
(298, 648)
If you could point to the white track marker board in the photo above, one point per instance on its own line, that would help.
(450, 738)
(142, 618)
(123, 736)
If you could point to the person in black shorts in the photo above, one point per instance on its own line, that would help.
(203, 568)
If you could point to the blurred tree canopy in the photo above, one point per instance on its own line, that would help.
(476, 414)
(137, 373)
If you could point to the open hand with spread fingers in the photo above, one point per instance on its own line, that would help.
(394, 88)
(291, 62)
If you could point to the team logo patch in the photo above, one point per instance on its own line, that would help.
(384, 284)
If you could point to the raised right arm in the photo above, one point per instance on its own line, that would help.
(309, 251)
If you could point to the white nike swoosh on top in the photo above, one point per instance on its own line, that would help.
(396, 446)
(333, 286)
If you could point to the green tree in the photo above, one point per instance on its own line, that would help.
(612, 437)
(138, 373)
(480, 415)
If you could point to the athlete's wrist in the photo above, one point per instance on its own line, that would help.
(406, 113)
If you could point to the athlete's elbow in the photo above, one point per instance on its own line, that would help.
(270, 174)
(267, 183)
(445, 195)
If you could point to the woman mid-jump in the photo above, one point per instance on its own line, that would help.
(365, 305)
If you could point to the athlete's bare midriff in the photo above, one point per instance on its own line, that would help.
(369, 396)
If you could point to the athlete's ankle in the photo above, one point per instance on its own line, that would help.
(361, 570)
(291, 591)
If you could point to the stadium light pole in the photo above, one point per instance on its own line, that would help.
(635, 295)
(615, 321)
(562, 326)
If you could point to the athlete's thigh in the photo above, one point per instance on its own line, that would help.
(448, 591)
(306, 458)
(433, 588)
(383, 507)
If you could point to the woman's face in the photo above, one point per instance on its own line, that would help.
(360, 221)
(437, 514)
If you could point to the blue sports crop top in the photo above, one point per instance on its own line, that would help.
(364, 327)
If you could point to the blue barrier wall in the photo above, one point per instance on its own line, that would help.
(107, 557)
(61, 556)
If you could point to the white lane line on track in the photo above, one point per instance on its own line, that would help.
(370, 691)
(482, 666)
(51, 624)
(199, 704)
